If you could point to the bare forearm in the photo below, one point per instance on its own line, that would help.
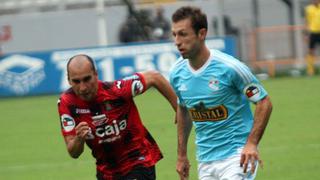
(183, 136)
(155, 79)
(169, 94)
(184, 127)
(75, 146)
(261, 118)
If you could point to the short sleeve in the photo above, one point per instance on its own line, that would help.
(130, 86)
(247, 83)
(67, 122)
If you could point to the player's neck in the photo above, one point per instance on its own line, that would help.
(198, 61)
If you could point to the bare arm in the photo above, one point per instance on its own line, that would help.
(184, 127)
(155, 79)
(75, 143)
(250, 152)
(261, 118)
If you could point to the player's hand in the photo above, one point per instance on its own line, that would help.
(183, 167)
(82, 130)
(250, 155)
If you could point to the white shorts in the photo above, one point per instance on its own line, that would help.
(226, 169)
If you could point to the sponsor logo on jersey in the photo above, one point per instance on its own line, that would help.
(183, 87)
(111, 132)
(214, 84)
(201, 113)
(67, 122)
(252, 91)
(82, 111)
(118, 84)
(136, 87)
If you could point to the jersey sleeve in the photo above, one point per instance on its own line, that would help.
(247, 83)
(130, 86)
(67, 122)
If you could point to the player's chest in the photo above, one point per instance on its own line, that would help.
(101, 113)
(106, 120)
(203, 86)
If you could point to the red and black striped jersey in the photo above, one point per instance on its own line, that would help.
(118, 139)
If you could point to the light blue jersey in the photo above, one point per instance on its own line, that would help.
(217, 98)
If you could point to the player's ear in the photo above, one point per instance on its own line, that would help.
(69, 81)
(68, 78)
(202, 33)
(95, 73)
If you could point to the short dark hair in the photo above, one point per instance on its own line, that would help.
(197, 17)
(88, 57)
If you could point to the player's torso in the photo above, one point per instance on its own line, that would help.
(313, 15)
(217, 107)
(117, 137)
(208, 93)
(108, 119)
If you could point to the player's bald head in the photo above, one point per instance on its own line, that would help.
(79, 61)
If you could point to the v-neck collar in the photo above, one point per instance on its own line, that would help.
(202, 68)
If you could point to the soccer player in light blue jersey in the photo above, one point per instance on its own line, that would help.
(214, 93)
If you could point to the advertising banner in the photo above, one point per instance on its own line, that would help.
(44, 72)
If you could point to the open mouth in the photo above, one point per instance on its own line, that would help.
(181, 51)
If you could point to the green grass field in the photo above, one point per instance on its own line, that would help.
(32, 148)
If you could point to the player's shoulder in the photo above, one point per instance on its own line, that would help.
(232, 65)
(311, 7)
(107, 85)
(109, 88)
(67, 94)
(222, 56)
(226, 60)
(67, 97)
(119, 88)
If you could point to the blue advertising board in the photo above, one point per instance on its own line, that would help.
(44, 72)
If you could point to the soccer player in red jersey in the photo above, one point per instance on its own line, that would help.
(104, 116)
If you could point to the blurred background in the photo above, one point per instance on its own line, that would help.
(268, 35)
(34, 25)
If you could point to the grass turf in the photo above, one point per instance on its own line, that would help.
(32, 147)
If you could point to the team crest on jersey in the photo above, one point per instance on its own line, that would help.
(214, 84)
(252, 91)
(67, 122)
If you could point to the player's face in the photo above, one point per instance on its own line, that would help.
(84, 82)
(185, 38)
